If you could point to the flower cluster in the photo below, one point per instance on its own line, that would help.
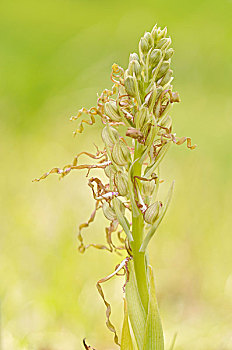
(140, 101)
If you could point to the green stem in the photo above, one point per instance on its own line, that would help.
(137, 233)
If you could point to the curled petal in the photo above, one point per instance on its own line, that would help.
(53, 171)
(117, 74)
(111, 229)
(108, 307)
(92, 112)
(82, 247)
(67, 168)
(189, 142)
(99, 155)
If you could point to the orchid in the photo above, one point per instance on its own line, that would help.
(137, 132)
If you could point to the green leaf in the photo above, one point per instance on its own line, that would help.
(136, 311)
(153, 338)
(150, 169)
(126, 341)
(154, 227)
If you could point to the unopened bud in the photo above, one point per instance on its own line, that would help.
(133, 56)
(110, 171)
(152, 212)
(144, 45)
(163, 43)
(111, 110)
(120, 153)
(134, 67)
(163, 33)
(148, 188)
(130, 86)
(142, 117)
(108, 211)
(147, 36)
(169, 53)
(110, 137)
(155, 57)
(121, 182)
(166, 79)
(154, 34)
(163, 69)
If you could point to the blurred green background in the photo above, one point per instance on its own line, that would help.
(55, 56)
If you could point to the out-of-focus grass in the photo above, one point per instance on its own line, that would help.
(55, 56)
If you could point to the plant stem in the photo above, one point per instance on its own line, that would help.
(137, 232)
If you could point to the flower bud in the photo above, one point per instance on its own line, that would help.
(154, 34)
(108, 211)
(130, 86)
(169, 53)
(133, 56)
(147, 36)
(142, 117)
(155, 57)
(120, 153)
(163, 33)
(144, 45)
(111, 110)
(166, 79)
(109, 138)
(110, 170)
(134, 67)
(148, 188)
(152, 212)
(163, 43)
(163, 69)
(121, 182)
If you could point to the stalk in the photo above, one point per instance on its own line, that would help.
(137, 233)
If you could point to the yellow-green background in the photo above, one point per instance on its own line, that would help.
(54, 57)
